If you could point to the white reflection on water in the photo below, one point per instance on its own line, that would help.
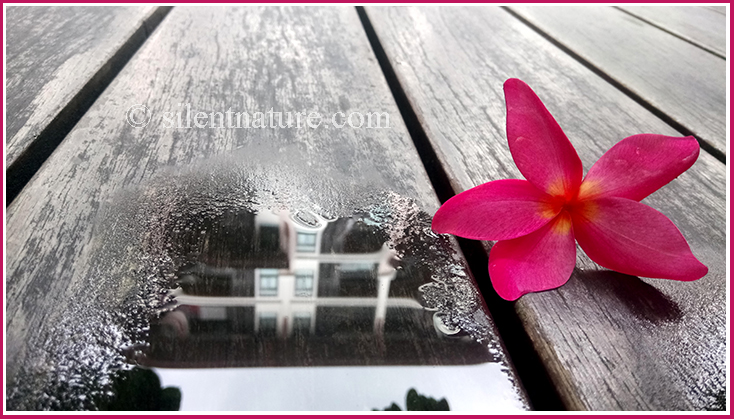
(483, 387)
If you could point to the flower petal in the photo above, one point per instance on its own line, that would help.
(540, 261)
(639, 165)
(498, 210)
(538, 145)
(632, 238)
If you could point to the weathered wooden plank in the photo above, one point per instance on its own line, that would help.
(58, 60)
(118, 213)
(610, 341)
(646, 61)
(718, 9)
(52, 53)
(699, 25)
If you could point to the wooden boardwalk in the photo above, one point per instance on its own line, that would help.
(311, 246)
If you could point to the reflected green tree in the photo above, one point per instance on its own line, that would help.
(419, 402)
(140, 389)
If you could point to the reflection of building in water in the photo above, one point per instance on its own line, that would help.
(282, 289)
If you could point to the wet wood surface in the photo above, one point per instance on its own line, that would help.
(249, 59)
(701, 26)
(609, 341)
(680, 80)
(56, 53)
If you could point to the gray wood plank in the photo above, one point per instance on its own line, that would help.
(699, 25)
(97, 235)
(610, 341)
(718, 9)
(53, 52)
(647, 61)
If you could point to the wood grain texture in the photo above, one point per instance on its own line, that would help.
(52, 54)
(718, 9)
(699, 25)
(247, 59)
(682, 81)
(610, 341)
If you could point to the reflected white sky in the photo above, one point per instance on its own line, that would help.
(483, 387)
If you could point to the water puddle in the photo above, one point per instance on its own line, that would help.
(202, 282)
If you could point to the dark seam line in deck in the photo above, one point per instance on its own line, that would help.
(20, 172)
(705, 145)
(526, 361)
(668, 31)
(715, 10)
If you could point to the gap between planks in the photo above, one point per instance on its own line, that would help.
(32, 158)
(668, 31)
(705, 145)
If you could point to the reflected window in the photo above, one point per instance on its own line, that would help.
(304, 283)
(306, 242)
(344, 321)
(269, 238)
(268, 282)
(302, 323)
(267, 323)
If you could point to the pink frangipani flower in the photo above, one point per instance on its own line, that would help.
(538, 221)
